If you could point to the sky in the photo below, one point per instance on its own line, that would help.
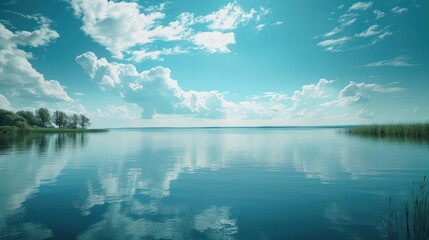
(147, 63)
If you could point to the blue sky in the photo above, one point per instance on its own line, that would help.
(217, 63)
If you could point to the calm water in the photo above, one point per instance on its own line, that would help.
(203, 184)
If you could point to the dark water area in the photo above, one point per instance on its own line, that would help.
(213, 183)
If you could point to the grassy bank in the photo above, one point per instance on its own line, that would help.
(410, 131)
(13, 129)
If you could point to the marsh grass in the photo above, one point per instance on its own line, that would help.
(413, 222)
(411, 130)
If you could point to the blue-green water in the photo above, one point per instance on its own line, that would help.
(246, 183)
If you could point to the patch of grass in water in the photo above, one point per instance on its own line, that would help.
(413, 222)
(410, 130)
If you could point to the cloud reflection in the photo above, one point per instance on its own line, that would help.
(25, 168)
(216, 222)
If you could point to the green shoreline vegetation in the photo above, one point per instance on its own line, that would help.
(41, 121)
(418, 131)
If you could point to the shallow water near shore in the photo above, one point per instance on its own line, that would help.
(203, 183)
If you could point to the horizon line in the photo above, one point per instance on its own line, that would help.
(202, 127)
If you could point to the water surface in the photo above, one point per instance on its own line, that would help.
(221, 183)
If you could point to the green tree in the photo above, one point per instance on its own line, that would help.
(60, 119)
(9, 118)
(29, 117)
(73, 121)
(84, 121)
(43, 116)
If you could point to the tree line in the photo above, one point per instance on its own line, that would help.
(43, 118)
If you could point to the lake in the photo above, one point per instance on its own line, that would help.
(203, 183)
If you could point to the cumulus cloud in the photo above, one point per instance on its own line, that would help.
(116, 25)
(306, 101)
(4, 103)
(128, 29)
(360, 6)
(157, 94)
(214, 41)
(400, 61)
(153, 90)
(17, 74)
(358, 93)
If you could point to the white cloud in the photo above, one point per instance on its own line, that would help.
(312, 90)
(228, 17)
(371, 31)
(259, 27)
(338, 44)
(355, 38)
(4, 103)
(379, 14)
(78, 94)
(214, 41)
(360, 6)
(358, 93)
(144, 54)
(306, 102)
(18, 77)
(332, 32)
(400, 61)
(119, 26)
(128, 30)
(154, 90)
(155, 8)
(159, 96)
(262, 12)
(278, 23)
(334, 45)
(399, 10)
(345, 21)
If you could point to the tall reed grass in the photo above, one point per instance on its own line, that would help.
(413, 222)
(411, 130)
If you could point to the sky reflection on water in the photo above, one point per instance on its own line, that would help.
(202, 184)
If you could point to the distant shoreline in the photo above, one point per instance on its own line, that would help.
(13, 129)
(238, 127)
